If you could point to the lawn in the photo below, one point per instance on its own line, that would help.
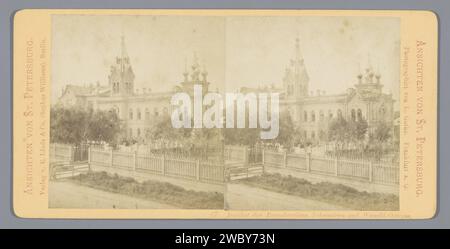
(151, 190)
(332, 193)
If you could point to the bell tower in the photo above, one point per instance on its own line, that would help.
(121, 77)
(296, 79)
(196, 76)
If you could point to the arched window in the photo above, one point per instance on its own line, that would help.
(305, 116)
(114, 84)
(139, 132)
(353, 115)
(147, 114)
(359, 113)
(321, 134)
(330, 114)
(115, 109)
(313, 135)
(138, 111)
(313, 116)
(322, 117)
(130, 114)
(381, 113)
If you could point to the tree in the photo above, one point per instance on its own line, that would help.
(77, 125)
(345, 132)
(241, 136)
(382, 133)
(162, 129)
(67, 125)
(357, 131)
(103, 126)
(288, 132)
(338, 132)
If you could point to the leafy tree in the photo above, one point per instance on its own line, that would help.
(288, 132)
(162, 129)
(344, 132)
(287, 136)
(103, 126)
(357, 129)
(68, 125)
(241, 136)
(338, 131)
(382, 133)
(77, 125)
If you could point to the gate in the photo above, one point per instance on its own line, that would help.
(66, 169)
(255, 154)
(80, 153)
(242, 172)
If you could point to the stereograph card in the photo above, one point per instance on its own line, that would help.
(225, 114)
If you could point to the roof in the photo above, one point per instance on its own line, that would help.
(78, 90)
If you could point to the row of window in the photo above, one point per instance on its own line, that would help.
(312, 116)
(312, 135)
(116, 87)
(146, 113)
(355, 114)
(138, 132)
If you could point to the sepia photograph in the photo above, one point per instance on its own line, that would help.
(225, 112)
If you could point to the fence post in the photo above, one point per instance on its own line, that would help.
(370, 172)
(89, 157)
(54, 152)
(336, 169)
(163, 164)
(197, 170)
(71, 155)
(134, 160)
(246, 155)
(285, 159)
(111, 157)
(308, 162)
(262, 156)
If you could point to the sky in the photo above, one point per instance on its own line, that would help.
(236, 51)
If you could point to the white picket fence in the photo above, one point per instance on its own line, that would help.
(369, 171)
(235, 156)
(61, 153)
(158, 164)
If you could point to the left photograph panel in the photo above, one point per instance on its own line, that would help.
(112, 145)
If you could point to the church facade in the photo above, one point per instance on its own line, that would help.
(138, 110)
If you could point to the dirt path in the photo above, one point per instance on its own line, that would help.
(243, 197)
(65, 194)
